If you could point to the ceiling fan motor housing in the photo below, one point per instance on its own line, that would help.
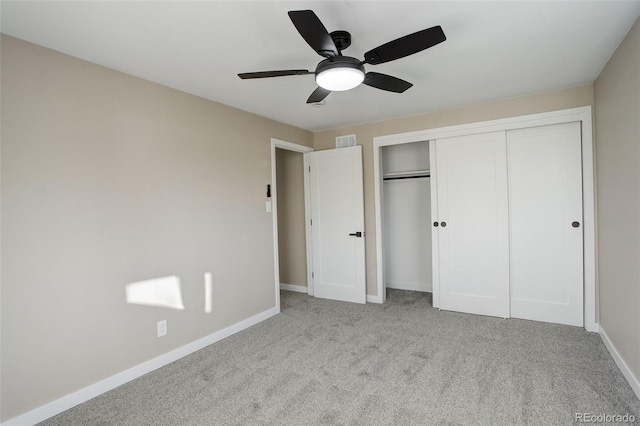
(342, 39)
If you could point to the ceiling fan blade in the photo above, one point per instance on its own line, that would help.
(311, 29)
(266, 74)
(405, 46)
(318, 95)
(386, 82)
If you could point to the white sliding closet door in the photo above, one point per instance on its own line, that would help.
(473, 224)
(545, 203)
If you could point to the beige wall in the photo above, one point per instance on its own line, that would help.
(543, 102)
(292, 248)
(617, 122)
(108, 179)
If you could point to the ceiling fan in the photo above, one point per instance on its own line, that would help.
(338, 72)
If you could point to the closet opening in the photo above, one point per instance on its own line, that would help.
(406, 216)
(515, 146)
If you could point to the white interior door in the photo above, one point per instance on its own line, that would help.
(545, 202)
(337, 214)
(473, 240)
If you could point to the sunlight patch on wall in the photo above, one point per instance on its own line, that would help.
(208, 293)
(161, 292)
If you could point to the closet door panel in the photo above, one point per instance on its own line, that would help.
(545, 198)
(473, 224)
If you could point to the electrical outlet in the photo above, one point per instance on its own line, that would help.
(162, 328)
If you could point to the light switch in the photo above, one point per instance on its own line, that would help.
(268, 206)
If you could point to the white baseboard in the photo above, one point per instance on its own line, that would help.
(374, 299)
(427, 288)
(593, 327)
(624, 368)
(58, 406)
(303, 289)
(293, 287)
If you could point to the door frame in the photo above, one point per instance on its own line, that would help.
(580, 114)
(304, 150)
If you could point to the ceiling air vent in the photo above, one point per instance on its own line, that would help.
(345, 141)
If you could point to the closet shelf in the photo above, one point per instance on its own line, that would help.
(407, 175)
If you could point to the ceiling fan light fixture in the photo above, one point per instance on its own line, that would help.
(339, 79)
(339, 74)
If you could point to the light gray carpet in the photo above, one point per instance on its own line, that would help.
(401, 363)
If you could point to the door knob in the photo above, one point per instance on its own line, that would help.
(356, 234)
(575, 224)
(443, 224)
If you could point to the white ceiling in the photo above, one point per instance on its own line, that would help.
(494, 50)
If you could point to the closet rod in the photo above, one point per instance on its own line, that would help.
(406, 177)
